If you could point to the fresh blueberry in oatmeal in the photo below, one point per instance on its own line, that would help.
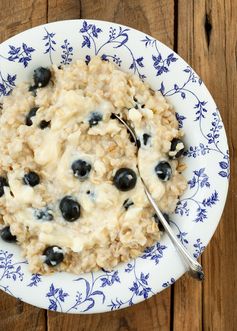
(31, 179)
(44, 214)
(163, 170)
(53, 255)
(44, 124)
(70, 209)
(81, 169)
(137, 142)
(125, 179)
(33, 90)
(127, 203)
(31, 114)
(146, 137)
(176, 149)
(7, 236)
(41, 77)
(113, 117)
(95, 118)
(3, 182)
(158, 222)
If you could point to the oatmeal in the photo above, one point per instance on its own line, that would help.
(70, 193)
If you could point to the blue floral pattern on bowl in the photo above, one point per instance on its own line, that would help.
(198, 211)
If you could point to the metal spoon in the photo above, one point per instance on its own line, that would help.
(195, 268)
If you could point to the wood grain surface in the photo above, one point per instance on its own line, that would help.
(204, 33)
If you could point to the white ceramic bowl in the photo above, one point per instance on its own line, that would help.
(199, 210)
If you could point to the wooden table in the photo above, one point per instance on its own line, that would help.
(204, 34)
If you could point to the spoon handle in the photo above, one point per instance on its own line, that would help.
(195, 269)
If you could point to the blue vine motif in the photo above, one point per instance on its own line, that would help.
(161, 65)
(67, 52)
(181, 234)
(56, 296)
(109, 279)
(182, 90)
(182, 208)
(91, 32)
(198, 181)
(114, 58)
(10, 270)
(6, 84)
(118, 38)
(106, 279)
(195, 151)
(50, 42)
(20, 54)
(87, 301)
(87, 59)
(199, 248)
(168, 283)
(180, 119)
(140, 287)
(154, 253)
(6, 289)
(212, 137)
(35, 280)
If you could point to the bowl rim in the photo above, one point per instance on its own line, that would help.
(132, 30)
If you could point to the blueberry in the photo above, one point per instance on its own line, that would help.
(81, 169)
(31, 113)
(44, 124)
(158, 222)
(3, 182)
(95, 118)
(136, 103)
(163, 170)
(70, 209)
(33, 90)
(146, 137)
(53, 255)
(137, 143)
(128, 203)
(41, 77)
(32, 178)
(113, 117)
(125, 179)
(166, 216)
(176, 149)
(44, 214)
(7, 236)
